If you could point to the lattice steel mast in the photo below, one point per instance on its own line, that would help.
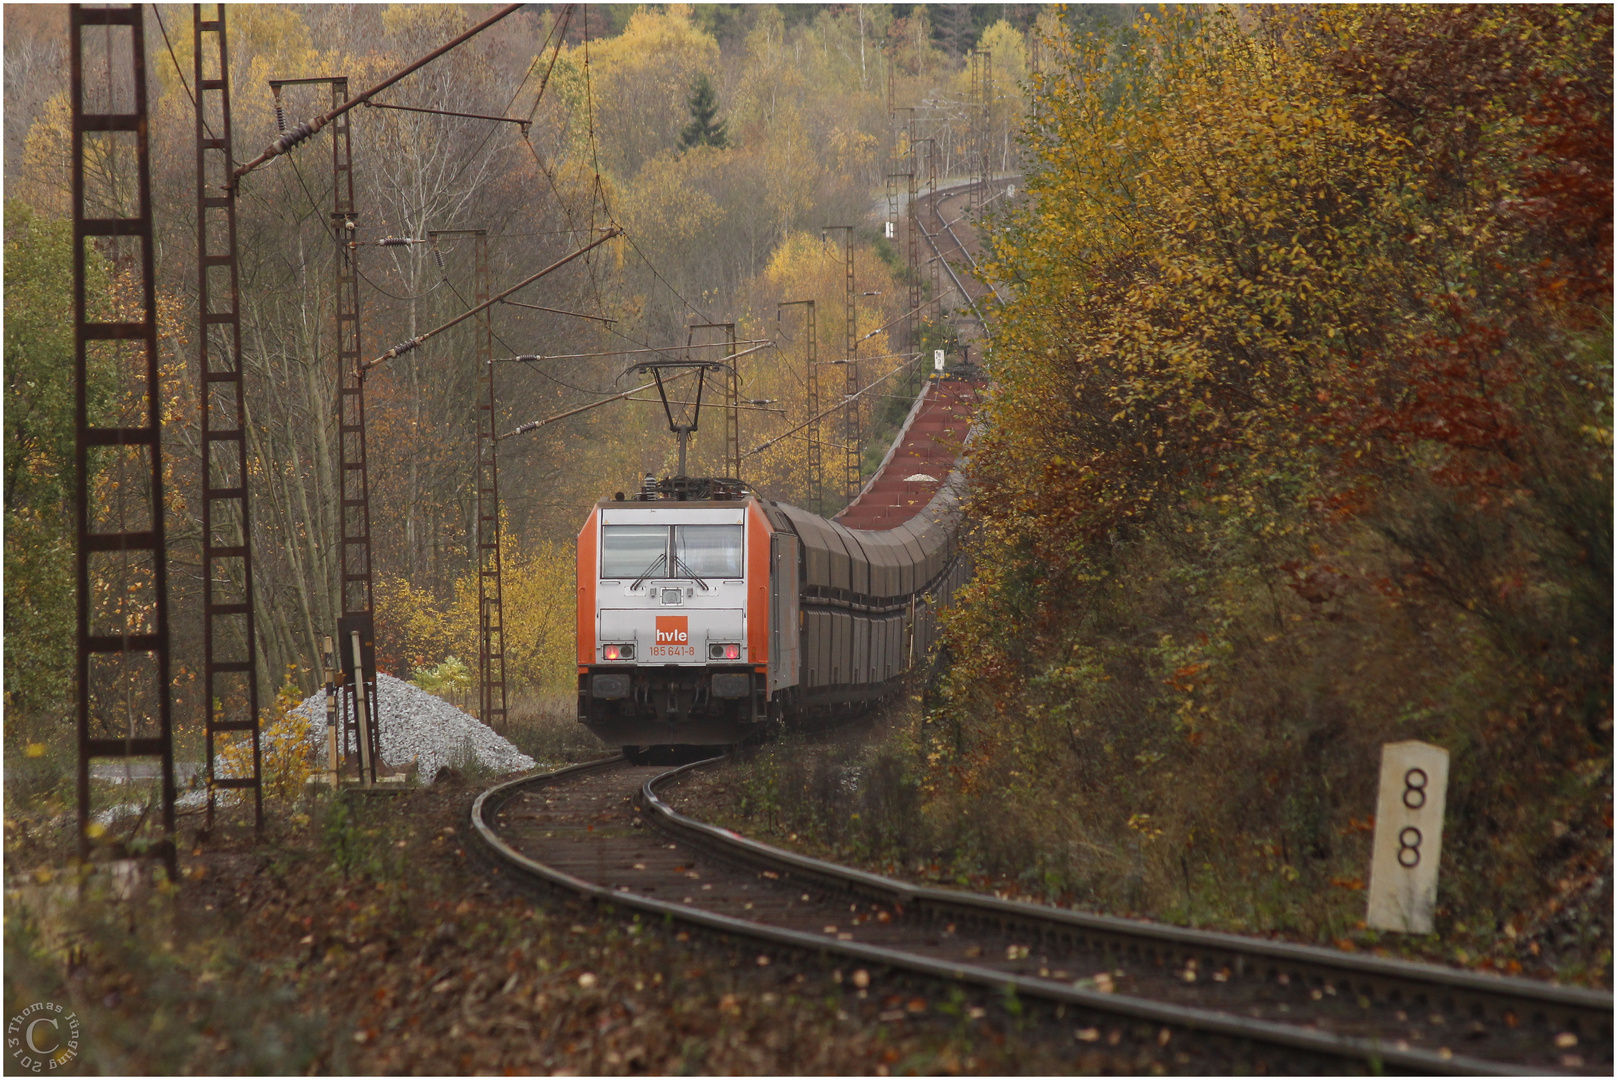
(122, 633)
(490, 590)
(811, 381)
(851, 465)
(356, 626)
(980, 109)
(932, 205)
(230, 664)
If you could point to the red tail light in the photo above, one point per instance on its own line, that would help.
(619, 652)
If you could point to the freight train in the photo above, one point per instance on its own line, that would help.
(709, 615)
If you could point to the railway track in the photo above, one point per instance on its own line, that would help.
(1203, 1001)
(954, 240)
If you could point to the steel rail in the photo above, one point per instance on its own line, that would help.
(1296, 960)
(931, 239)
(932, 242)
(975, 267)
(728, 846)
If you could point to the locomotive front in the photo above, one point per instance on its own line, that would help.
(672, 621)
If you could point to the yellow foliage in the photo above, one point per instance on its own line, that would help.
(286, 757)
(805, 266)
(44, 180)
(540, 618)
(640, 80)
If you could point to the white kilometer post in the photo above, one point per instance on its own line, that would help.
(1409, 837)
(333, 673)
(937, 359)
(359, 698)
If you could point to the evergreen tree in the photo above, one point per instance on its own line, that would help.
(952, 29)
(704, 129)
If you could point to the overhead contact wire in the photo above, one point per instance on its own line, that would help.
(511, 348)
(304, 130)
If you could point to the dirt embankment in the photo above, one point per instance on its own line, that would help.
(368, 937)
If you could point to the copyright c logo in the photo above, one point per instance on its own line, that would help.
(29, 1038)
(43, 1038)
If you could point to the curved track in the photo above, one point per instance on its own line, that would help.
(954, 240)
(1218, 1002)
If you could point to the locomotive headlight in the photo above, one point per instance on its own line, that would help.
(619, 652)
(724, 651)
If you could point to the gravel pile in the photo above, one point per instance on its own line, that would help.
(189, 800)
(417, 726)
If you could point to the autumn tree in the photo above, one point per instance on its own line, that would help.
(1299, 442)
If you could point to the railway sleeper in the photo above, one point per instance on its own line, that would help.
(1349, 979)
(1457, 996)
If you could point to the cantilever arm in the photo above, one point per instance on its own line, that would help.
(405, 346)
(291, 138)
(533, 425)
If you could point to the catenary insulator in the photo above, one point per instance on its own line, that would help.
(402, 347)
(291, 138)
(280, 118)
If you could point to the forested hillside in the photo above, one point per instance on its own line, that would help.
(1299, 443)
(716, 230)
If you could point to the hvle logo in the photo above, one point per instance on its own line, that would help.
(673, 636)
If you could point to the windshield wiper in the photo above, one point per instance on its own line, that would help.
(641, 580)
(681, 565)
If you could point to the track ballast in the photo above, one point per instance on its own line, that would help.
(1205, 1001)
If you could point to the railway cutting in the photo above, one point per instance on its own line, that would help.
(604, 471)
(1220, 1001)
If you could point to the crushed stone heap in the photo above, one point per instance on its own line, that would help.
(417, 725)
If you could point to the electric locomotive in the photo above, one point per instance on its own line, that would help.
(708, 614)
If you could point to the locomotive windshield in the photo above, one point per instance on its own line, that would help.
(699, 551)
(627, 551)
(708, 550)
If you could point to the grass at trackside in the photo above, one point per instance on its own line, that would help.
(363, 935)
(863, 799)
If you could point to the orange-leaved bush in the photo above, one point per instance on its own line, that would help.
(1299, 442)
